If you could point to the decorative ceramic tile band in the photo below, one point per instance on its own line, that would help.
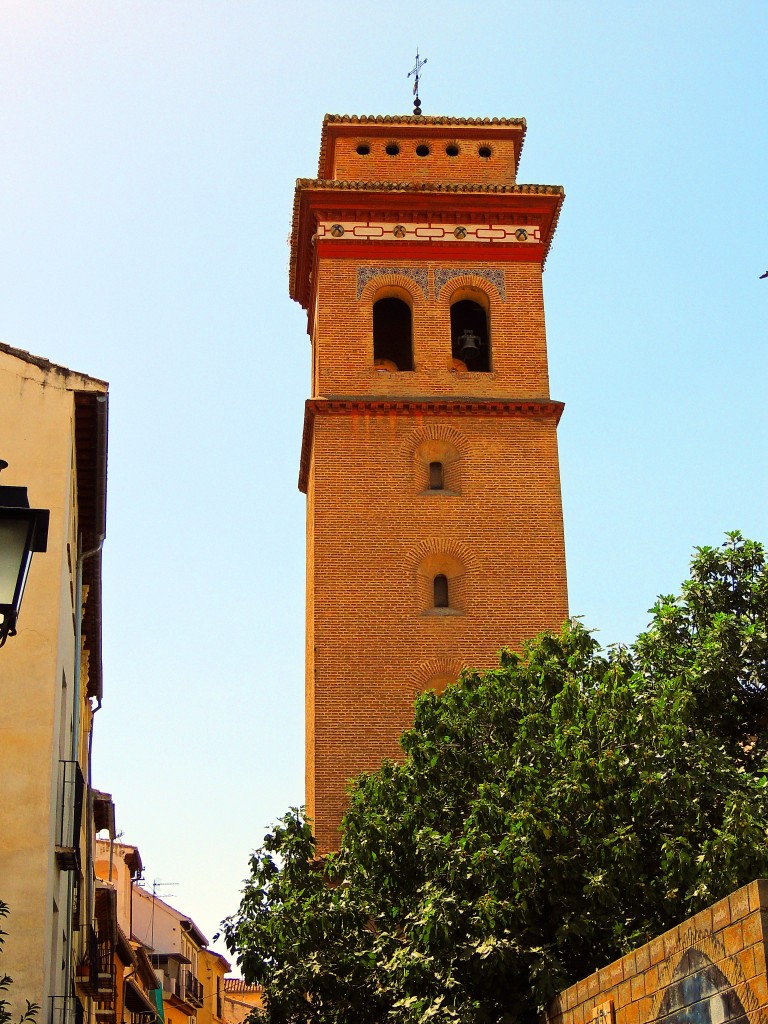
(416, 274)
(519, 234)
(445, 274)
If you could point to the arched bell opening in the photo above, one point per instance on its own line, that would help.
(392, 334)
(470, 341)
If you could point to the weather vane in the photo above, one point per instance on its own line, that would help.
(415, 72)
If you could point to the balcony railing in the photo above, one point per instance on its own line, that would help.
(186, 987)
(96, 974)
(193, 989)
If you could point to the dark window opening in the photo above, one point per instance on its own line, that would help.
(392, 333)
(469, 335)
(363, 149)
(422, 151)
(392, 149)
(484, 152)
(452, 150)
(441, 591)
(435, 476)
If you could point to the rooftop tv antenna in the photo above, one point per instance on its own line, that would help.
(415, 71)
(158, 884)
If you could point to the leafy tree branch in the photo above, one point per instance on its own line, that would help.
(6, 1016)
(547, 816)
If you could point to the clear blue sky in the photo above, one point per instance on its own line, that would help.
(149, 151)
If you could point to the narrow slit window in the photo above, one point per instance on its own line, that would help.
(441, 591)
(436, 476)
(392, 334)
(469, 335)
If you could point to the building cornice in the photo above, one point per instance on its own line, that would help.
(518, 408)
(486, 188)
(318, 199)
(91, 426)
(428, 119)
(73, 377)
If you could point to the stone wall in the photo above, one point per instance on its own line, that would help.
(711, 969)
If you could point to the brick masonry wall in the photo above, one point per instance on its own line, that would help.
(343, 335)
(711, 969)
(376, 538)
(376, 535)
(466, 166)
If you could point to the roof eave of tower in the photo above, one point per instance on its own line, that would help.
(306, 186)
(420, 119)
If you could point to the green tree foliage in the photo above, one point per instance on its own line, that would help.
(6, 1017)
(547, 817)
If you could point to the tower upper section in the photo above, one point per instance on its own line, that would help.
(418, 258)
(441, 183)
(421, 149)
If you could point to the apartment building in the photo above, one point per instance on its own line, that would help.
(53, 435)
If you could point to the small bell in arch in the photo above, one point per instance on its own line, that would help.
(468, 345)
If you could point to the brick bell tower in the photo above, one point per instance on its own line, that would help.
(429, 459)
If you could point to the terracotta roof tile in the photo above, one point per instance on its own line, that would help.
(238, 985)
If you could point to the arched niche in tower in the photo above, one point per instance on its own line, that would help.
(439, 683)
(434, 674)
(470, 329)
(436, 467)
(392, 330)
(442, 584)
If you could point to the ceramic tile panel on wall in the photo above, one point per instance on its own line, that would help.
(711, 969)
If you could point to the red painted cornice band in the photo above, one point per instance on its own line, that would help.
(483, 252)
(318, 200)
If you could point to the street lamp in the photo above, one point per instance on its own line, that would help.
(23, 530)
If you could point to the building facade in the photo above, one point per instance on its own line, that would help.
(429, 459)
(165, 972)
(135, 996)
(176, 947)
(53, 432)
(213, 970)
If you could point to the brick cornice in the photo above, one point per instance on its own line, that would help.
(519, 408)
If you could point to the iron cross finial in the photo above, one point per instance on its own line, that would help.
(415, 72)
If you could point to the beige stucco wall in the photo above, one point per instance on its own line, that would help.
(37, 675)
(158, 926)
(212, 968)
